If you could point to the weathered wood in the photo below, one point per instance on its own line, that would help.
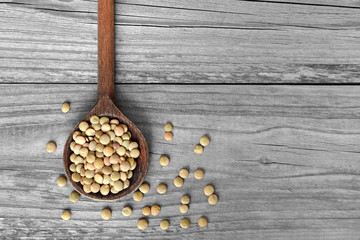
(183, 41)
(284, 161)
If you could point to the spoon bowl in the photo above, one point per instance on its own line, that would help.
(106, 106)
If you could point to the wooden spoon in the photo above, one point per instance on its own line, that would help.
(106, 104)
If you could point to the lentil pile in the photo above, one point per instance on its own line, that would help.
(103, 156)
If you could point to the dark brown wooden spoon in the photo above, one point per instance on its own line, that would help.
(106, 104)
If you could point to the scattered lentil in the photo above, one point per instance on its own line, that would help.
(74, 196)
(104, 189)
(146, 211)
(164, 224)
(213, 199)
(50, 147)
(168, 136)
(65, 107)
(162, 188)
(199, 174)
(66, 215)
(184, 173)
(106, 214)
(61, 181)
(142, 224)
(204, 141)
(202, 222)
(208, 190)
(168, 127)
(185, 223)
(198, 149)
(127, 211)
(164, 160)
(137, 196)
(185, 199)
(183, 208)
(178, 182)
(144, 188)
(155, 210)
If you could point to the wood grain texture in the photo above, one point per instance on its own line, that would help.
(284, 161)
(229, 41)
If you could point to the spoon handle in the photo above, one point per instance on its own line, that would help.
(106, 49)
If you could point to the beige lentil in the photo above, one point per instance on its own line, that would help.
(185, 199)
(202, 222)
(168, 136)
(178, 182)
(184, 173)
(146, 211)
(164, 160)
(183, 208)
(127, 211)
(164, 224)
(168, 127)
(199, 174)
(155, 210)
(144, 188)
(184, 223)
(142, 224)
(61, 181)
(65, 107)
(137, 196)
(66, 215)
(198, 149)
(208, 190)
(213, 199)
(106, 214)
(74, 196)
(50, 147)
(162, 188)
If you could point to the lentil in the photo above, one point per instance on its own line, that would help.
(204, 141)
(155, 210)
(144, 188)
(162, 188)
(61, 181)
(106, 214)
(168, 127)
(164, 160)
(127, 211)
(146, 211)
(184, 173)
(142, 224)
(164, 224)
(168, 136)
(202, 222)
(50, 147)
(208, 190)
(66, 215)
(104, 189)
(184, 208)
(137, 196)
(178, 182)
(198, 149)
(74, 196)
(184, 223)
(185, 199)
(199, 174)
(65, 107)
(213, 199)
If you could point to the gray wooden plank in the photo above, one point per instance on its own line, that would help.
(182, 42)
(284, 161)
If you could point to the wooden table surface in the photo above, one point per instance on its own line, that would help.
(273, 83)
